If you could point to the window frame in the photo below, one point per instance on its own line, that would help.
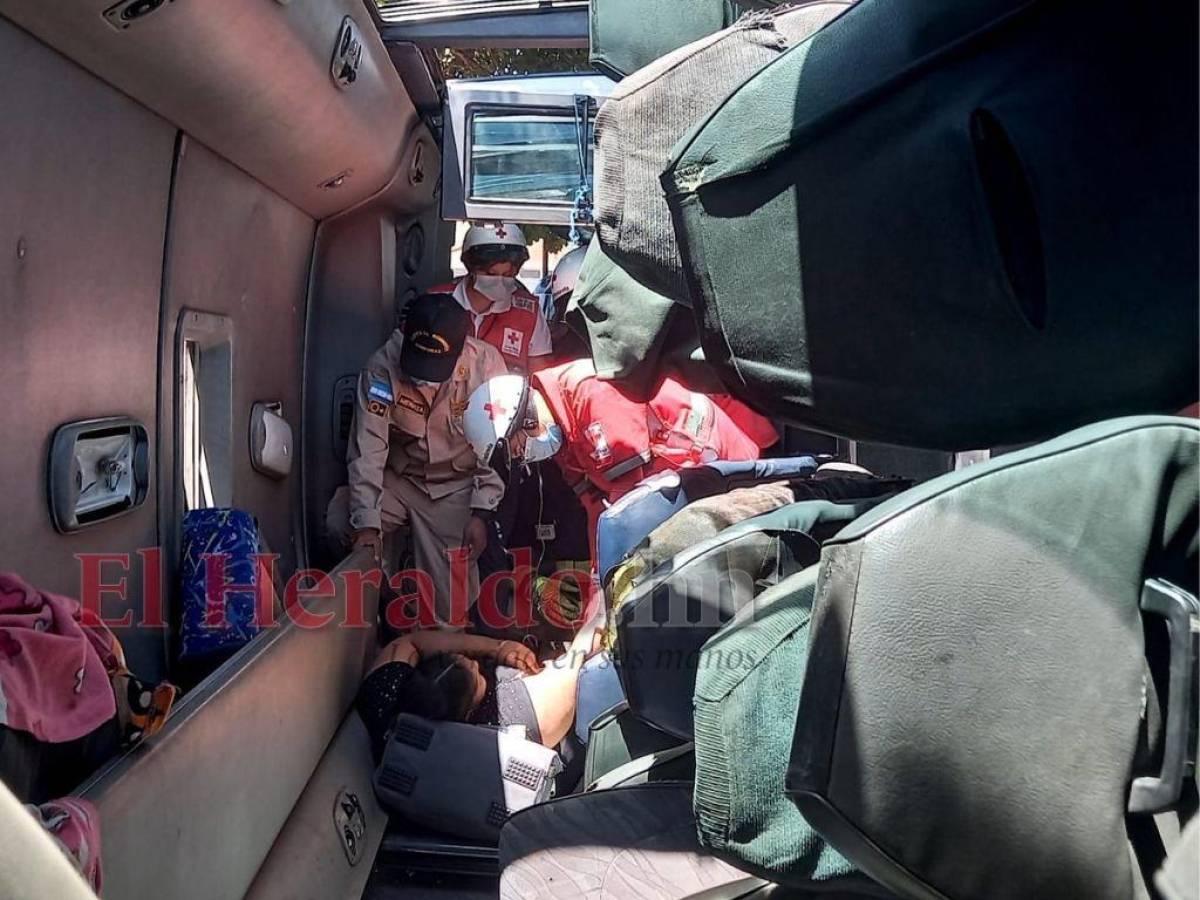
(559, 113)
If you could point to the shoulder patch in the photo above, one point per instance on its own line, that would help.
(520, 301)
(379, 394)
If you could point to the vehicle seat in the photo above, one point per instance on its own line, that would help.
(733, 818)
(612, 840)
(624, 842)
(1002, 681)
(627, 522)
(663, 623)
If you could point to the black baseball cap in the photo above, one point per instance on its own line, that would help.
(435, 329)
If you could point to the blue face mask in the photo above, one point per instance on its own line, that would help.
(543, 446)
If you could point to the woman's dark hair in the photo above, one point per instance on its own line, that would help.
(441, 688)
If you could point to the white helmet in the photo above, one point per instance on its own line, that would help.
(566, 273)
(493, 234)
(495, 411)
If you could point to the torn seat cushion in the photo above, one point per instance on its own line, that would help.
(972, 707)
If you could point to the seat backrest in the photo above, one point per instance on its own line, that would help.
(653, 108)
(745, 703)
(983, 686)
(1038, 245)
(32, 864)
(665, 621)
(627, 522)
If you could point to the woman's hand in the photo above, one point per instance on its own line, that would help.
(517, 656)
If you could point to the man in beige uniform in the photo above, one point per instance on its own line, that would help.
(408, 459)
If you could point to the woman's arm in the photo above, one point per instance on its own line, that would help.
(508, 653)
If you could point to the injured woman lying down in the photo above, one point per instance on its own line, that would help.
(472, 678)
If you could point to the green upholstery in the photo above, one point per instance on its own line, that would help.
(982, 231)
(982, 686)
(635, 334)
(628, 34)
(743, 815)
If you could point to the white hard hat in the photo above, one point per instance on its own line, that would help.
(566, 273)
(493, 234)
(495, 412)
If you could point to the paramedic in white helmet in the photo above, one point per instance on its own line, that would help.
(504, 313)
(559, 287)
(603, 440)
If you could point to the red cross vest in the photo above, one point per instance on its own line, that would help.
(511, 330)
(611, 442)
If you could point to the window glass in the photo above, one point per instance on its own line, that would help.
(197, 482)
(204, 409)
(525, 157)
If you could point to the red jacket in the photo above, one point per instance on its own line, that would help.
(509, 330)
(612, 442)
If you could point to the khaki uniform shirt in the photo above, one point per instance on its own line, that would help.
(419, 433)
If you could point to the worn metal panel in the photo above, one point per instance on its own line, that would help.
(83, 206)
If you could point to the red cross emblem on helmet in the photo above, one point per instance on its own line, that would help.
(501, 232)
(494, 411)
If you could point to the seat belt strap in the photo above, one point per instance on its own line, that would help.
(626, 466)
(613, 472)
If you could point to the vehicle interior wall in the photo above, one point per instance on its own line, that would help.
(192, 813)
(83, 212)
(237, 249)
(92, 212)
(252, 82)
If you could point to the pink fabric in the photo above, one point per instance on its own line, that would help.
(53, 678)
(75, 827)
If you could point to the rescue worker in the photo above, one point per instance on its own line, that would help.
(559, 288)
(409, 460)
(540, 513)
(603, 441)
(503, 312)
